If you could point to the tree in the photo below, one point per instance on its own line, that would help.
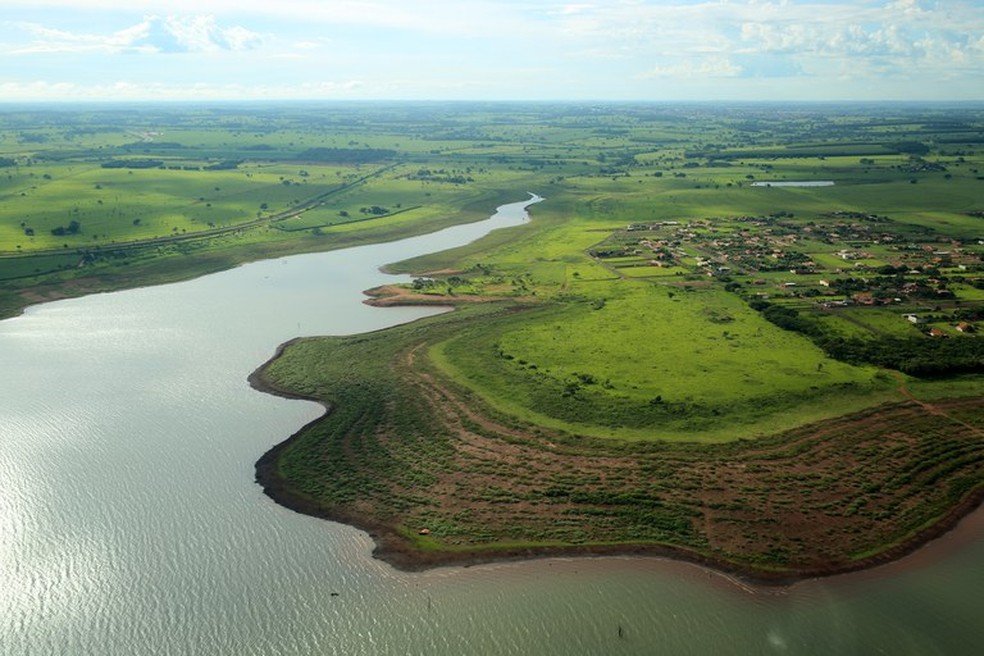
(74, 228)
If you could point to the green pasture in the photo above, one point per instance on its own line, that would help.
(880, 321)
(652, 271)
(119, 205)
(652, 362)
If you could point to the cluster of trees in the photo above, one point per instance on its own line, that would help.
(347, 155)
(916, 356)
(788, 260)
(224, 165)
(74, 228)
(441, 175)
(609, 252)
(132, 164)
(891, 286)
(910, 147)
(968, 314)
(156, 145)
(788, 319)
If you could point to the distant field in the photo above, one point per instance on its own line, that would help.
(119, 205)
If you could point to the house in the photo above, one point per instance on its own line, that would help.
(914, 318)
(936, 332)
(965, 327)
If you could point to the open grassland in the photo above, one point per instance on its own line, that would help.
(439, 476)
(656, 364)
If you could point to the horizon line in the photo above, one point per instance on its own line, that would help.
(614, 101)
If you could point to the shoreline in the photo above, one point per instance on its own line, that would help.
(392, 295)
(155, 272)
(393, 549)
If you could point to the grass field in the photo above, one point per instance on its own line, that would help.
(657, 364)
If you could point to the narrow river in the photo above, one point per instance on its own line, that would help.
(130, 523)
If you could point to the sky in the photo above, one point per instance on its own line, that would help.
(648, 50)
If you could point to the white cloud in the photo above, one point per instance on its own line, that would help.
(586, 46)
(202, 34)
(46, 39)
(705, 68)
(126, 90)
(649, 28)
(571, 9)
(461, 17)
(152, 35)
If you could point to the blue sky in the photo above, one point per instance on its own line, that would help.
(480, 49)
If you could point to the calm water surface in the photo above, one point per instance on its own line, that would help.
(130, 523)
(794, 183)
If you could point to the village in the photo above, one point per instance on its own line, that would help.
(840, 262)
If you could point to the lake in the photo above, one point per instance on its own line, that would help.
(130, 522)
(794, 183)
